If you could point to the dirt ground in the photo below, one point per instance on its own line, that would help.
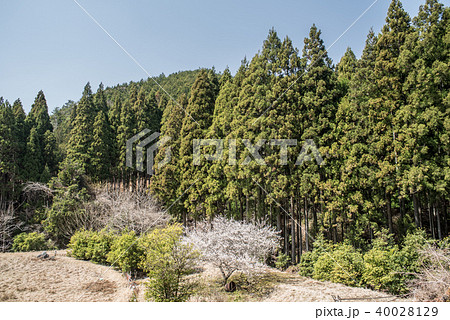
(276, 286)
(23, 277)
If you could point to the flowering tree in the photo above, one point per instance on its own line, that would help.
(232, 245)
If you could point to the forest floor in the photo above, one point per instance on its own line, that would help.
(23, 277)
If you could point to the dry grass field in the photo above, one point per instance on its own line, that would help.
(23, 277)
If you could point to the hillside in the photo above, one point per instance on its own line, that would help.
(26, 278)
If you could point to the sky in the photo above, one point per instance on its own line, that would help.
(54, 46)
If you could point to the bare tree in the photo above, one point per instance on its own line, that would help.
(8, 224)
(33, 189)
(433, 282)
(232, 245)
(136, 211)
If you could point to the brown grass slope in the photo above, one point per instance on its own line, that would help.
(23, 277)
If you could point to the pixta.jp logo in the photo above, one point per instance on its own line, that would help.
(151, 143)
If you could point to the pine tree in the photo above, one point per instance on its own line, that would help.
(318, 106)
(166, 180)
(421, 121)
(388, 100)
(35, 164)
(38, 116)
(80, 142)
(41, 147)
(101, 148)
(346, 68)
(126, 129)
(200, 106)
(8, 167)
(100, 100)
(20, 134)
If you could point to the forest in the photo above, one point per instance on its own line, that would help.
(380, 121)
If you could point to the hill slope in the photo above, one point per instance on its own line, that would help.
(23, 277)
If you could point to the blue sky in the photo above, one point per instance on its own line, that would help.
(54, 46)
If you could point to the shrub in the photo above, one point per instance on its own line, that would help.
(413, 244)
(343, 264)
(382, 265)
(33, 241)
(432, 282)
(282, 261)
(101, 243)
(309, 258)
(126, 252)
(80, 245)
(168, 261)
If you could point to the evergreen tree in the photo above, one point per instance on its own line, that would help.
(102, 148)
(35, 164)
(81, 139)
(41, 148)
(200, 106)
(166, 180)
(8, 167)
(20, 134)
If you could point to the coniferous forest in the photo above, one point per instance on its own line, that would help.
(381, 123)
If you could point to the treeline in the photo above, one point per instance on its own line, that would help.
(381, 123)
(28, 148)
(78, 144)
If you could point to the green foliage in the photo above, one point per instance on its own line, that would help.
(66, 215)
(343, 264)
(91, 245)
(80, 245)
(126, 252)
(386, 267)
(282, 261)
(33, 241)
(382, 266)
(309, 259)
(168, 261)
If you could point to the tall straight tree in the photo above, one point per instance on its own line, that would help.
(388, 100)
(166, 180)
(200, 106)
(40, 142)
(20, 134)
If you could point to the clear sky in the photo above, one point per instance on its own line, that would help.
(54, 46)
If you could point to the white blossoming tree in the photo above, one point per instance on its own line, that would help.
(232, 245)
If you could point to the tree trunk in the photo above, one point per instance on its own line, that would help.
(416, 210)
(438, 220)
(306, 226)
(389, 212)
(285, 233)
(293, 248)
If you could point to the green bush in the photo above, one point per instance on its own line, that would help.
(309, 259)
(168, 261)
(343, 264)
(33, 241)
(101, 246)
(282, 261)
(413, 243)
(126, 252)
(81, 245)
(383, 265)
